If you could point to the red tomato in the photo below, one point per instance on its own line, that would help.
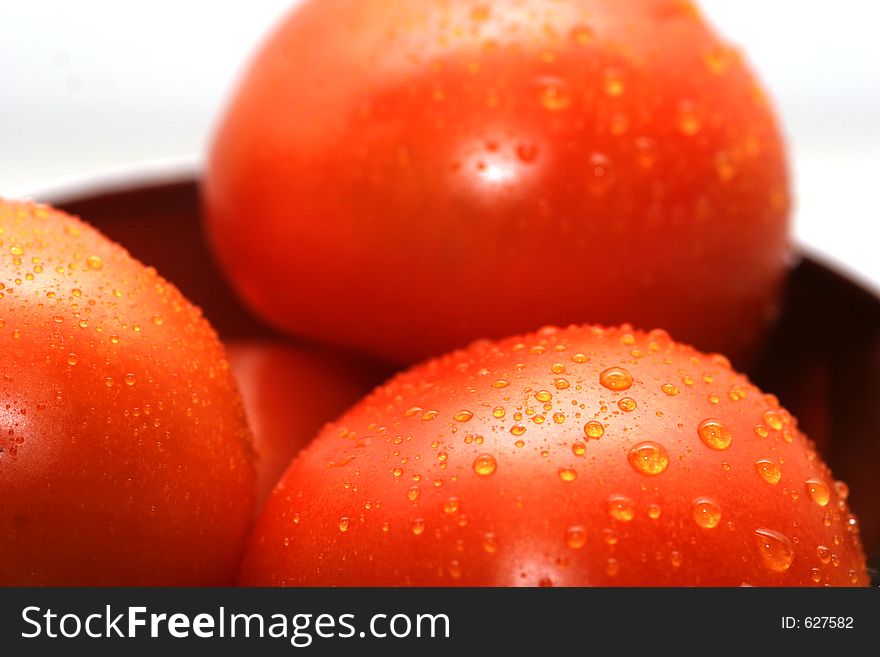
(125, 458)
(567, 457)
(403, 177)
(289, 392)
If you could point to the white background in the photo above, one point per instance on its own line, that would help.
(89, 86)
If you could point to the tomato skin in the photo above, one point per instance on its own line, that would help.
(424, 482)
(125, 457)
(446, 171)
(290, 391)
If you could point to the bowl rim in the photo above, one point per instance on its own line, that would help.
(112, 179)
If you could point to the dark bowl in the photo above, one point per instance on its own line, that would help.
(822, 359)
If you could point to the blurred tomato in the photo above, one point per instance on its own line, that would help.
(289, 392)
(402, 177)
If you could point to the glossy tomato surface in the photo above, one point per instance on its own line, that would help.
(403, 177)
(567, 457)
(125, 458)
(290, 391)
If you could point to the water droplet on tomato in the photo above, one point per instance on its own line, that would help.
(485, 464)
(567, 474)
(819, 491)
(614, 85)
(527, 152)
(627, 404)
(618, 124)
(649, 458)
(775, 549)
(480, 13)
(714, 434)
(706, 512)
(594, 429)
(724, 166)
(772, 418)
(646, 152)
(621, 508)
(616, 378)
(554, 95)
(769, 470)
(576, 537)
(687, 121)
(582, 35)
(602, 178)
(736, 393)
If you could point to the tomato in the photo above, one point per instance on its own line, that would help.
(403, 177)
(289, 392)
(580, 456)
(125, 457)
